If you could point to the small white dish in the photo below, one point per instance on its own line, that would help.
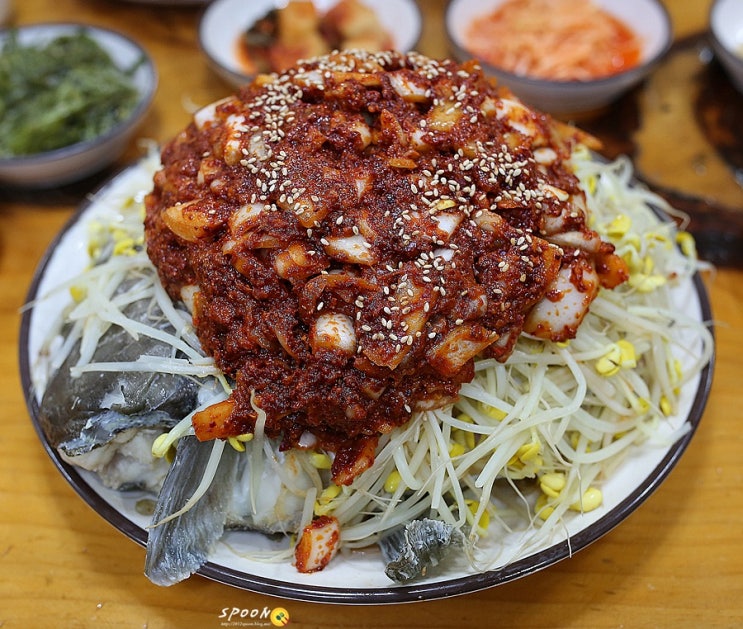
(225, 21)
(77, 161)
(726, 29)
(648, 19)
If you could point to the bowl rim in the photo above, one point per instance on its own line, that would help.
(146, 96)
(240, 77)
(627, 75)
(717, 41)
(234, 77)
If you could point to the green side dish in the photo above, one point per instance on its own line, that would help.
(59, 93)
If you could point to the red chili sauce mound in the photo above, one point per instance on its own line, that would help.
(353, 232)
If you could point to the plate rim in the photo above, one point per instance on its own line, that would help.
(393, 594)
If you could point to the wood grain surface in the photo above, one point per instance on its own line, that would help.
(676, 562)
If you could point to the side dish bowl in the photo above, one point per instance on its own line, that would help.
(76, 161)
(647, 19)
(726, 33)
(225, 21)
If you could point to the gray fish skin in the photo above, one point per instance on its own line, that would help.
(421, 544)
(81, 413)
(178, 548)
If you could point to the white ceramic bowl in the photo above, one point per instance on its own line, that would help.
(726, 29)
(225, 21)
(77, 161)
(647, 18)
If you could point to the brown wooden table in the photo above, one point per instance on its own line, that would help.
(676, 562)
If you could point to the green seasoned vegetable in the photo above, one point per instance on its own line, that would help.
(59, 93)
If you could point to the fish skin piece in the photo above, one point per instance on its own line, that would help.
(80, 413)
(179, 547)
(102, 428)
(411, 550)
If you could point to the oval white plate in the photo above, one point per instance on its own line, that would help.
(357, 578)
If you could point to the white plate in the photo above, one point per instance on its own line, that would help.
(359, 577)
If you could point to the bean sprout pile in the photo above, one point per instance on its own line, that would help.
(529, 443)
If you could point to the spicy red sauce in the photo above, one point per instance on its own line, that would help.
(359, 228)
